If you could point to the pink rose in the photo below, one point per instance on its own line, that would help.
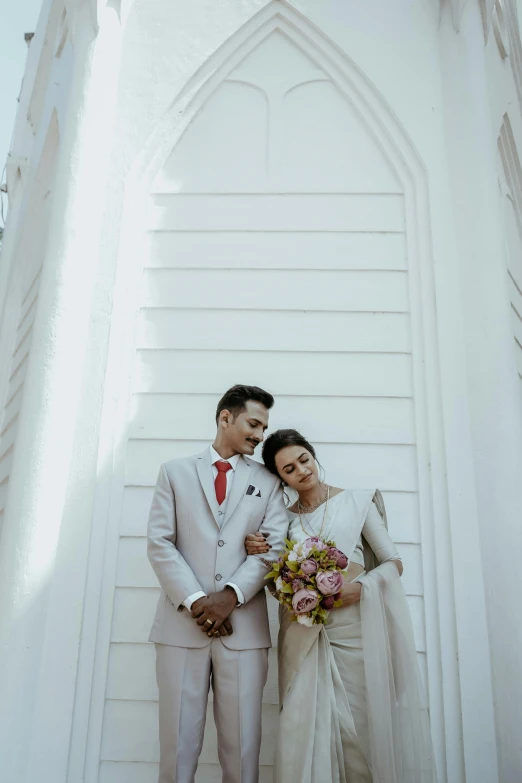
(328, 602)
(314, 541)
(305, 601)
(309, 567)
(340, 558)
(329, 582)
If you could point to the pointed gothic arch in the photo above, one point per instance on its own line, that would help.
(281, 16)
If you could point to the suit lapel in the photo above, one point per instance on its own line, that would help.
(204, 468)
(239, 487)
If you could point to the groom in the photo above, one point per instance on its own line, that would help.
(211, 624)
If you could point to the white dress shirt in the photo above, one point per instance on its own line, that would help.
(232, 461)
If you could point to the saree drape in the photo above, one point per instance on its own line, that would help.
(353, 708)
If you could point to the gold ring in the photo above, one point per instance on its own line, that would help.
(210, 622)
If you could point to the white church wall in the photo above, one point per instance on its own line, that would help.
(21, 305)
(219, 243)
(160, 324)
(361, 255)
(479, 90)
(31, 169)
(42, 581)
(458, 435)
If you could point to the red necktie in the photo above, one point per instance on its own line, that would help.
(221, 480)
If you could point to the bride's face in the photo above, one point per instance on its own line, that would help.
(297, 468)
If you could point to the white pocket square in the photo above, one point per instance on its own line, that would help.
(254, 491)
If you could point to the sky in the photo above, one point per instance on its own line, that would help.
(16, 18)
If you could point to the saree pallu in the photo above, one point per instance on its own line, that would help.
(323, 731)
(353, 708)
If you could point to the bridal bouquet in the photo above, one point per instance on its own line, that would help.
(308, 579)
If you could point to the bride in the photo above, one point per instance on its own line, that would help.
(352, 705)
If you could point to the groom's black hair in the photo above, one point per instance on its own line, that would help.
(236, 398)
(280, 439)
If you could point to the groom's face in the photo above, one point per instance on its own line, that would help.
(247, 430)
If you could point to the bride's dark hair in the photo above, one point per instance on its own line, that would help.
(280, 439)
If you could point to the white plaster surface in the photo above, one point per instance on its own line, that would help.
(336, 187)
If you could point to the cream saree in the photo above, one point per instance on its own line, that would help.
(352, 703)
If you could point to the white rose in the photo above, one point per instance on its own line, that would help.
(279, 583)
(305, 619)
(292, 557)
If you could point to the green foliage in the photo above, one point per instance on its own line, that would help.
(285, 569)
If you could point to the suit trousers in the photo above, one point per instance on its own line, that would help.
(184, 677)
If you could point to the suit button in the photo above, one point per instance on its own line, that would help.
(218, 577)
(221, 543)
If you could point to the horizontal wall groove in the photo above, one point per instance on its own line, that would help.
(279, 396)
(157, 589)
(301, 269)
(279, 194)
(293, 231)
(269, 231)
(131, 587)
(155, 763)
(141, 701)
(382, 489)
(179, 308)
(285, 269)
(129, 485)
(276, 350)
(143, 537)
(371, 444)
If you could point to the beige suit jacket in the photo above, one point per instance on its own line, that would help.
(189, 550)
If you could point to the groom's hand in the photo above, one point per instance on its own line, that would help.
(211, 612)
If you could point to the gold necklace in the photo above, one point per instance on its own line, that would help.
(313, 534)
(311, 508)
